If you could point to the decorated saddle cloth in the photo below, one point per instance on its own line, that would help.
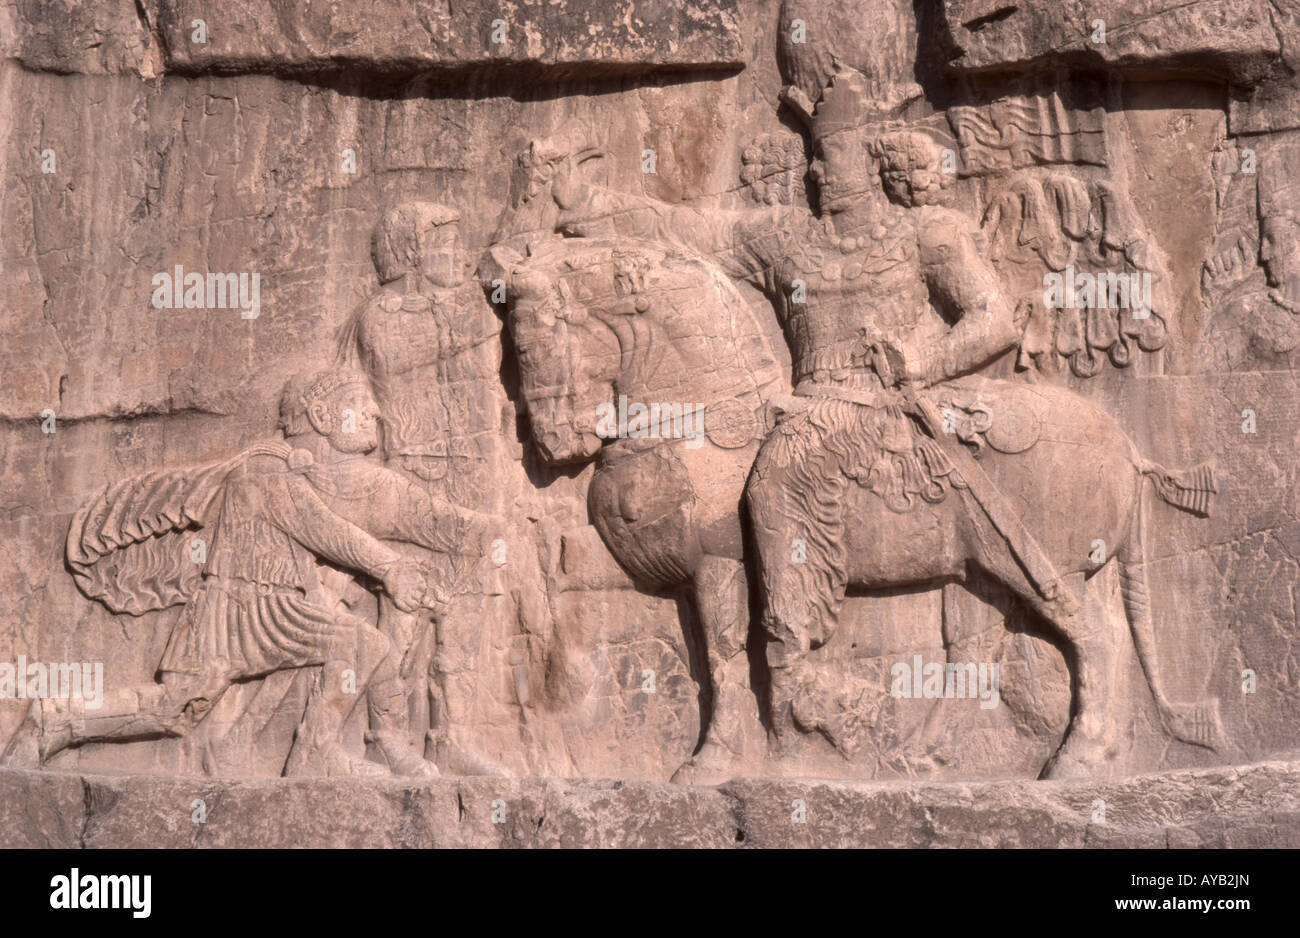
(1003, 415)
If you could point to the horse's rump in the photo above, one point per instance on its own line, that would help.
(1015, 432)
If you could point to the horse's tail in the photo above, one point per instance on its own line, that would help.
(1198, 724)
(1192, 490)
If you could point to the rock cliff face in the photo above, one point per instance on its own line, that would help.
(879, 391)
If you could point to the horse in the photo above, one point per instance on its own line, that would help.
(873, 502)
(645, 358)
(598, 323)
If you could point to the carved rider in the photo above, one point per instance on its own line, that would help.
(903, 267)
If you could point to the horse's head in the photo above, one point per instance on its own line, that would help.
(567, 363)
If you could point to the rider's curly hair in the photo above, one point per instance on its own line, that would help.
(916, 155)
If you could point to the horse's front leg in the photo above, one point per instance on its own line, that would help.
(800, 564)
(733, 734)
(1089, 741)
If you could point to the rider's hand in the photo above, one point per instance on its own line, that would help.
(404, 583)
(906, 365)
(478, 531)
(916, 367)
(437, 602)
(888, 360)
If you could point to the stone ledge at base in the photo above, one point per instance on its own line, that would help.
(1236, 806)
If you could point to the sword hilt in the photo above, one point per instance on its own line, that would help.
(887, 361)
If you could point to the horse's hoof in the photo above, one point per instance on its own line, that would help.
(409, 765)
(459, 760)
(1063, 768)
(692, 774)
(331, 761)
(1076, 760)
(23, 750)
(710, 766)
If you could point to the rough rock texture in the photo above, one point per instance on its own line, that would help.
(1248, 806)
(898, 391)
(1242, 40)
(155, 36)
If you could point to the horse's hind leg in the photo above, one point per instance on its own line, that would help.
(721, 595)
(1089, 739)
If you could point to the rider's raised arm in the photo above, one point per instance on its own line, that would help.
(744, 244)
(966, 288)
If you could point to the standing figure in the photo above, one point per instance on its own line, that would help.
(430, 344)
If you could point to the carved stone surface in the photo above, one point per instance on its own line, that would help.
(687, 394)
(1247, 806)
